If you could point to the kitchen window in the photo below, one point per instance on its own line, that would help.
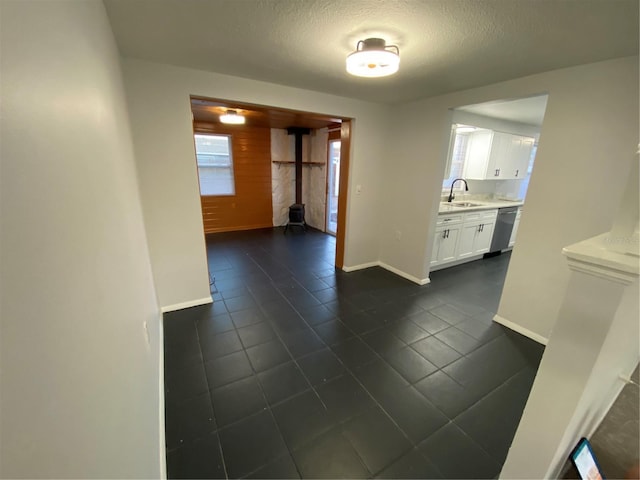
(215, 164)
(457, 154)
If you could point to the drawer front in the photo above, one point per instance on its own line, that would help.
(480, 216)
(473, 217)
(448, 220)
(489, 214)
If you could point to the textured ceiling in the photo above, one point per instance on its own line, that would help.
(445, 45)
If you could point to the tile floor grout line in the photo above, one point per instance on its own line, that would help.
(213, 410)
(273, 418)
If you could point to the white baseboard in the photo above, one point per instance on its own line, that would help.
(191, 303)
(456, 262)
(362, 266)
(520, 329)
(402, 274)
(394, 270)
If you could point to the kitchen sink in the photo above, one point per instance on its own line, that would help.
(465, 204)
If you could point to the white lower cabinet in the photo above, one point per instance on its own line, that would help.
(467, 239)
(445, 244)
(465, 236)
(482, 243)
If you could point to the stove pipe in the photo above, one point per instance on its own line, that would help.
(298, 132)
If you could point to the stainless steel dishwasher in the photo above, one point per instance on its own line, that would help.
(503, 229)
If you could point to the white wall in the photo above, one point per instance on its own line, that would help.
(158, 99)
(589, 130)
(80, 392)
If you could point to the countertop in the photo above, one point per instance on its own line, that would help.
(480, 205)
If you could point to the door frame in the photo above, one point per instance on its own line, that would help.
(269, 116)
(345, 156)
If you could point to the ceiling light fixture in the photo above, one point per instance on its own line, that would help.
(373, 58)
(232, 117)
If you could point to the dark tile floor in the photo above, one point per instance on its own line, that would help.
(298, 370)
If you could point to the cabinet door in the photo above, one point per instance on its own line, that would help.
(448, 245)
(524, 155)
(436, 245)
(484, 235)
(501, 151)
(467, 239)
(477, 157)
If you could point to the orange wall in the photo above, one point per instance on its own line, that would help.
(251, 206)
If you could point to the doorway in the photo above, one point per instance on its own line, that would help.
(492, 148)
(263, 171)
(333, 185)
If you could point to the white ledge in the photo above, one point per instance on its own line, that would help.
(596, 256)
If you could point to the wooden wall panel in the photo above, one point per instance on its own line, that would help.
(251, 206)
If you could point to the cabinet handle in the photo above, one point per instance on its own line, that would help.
(479, 229)
(496, 174)
(517, 172)
(482, 227)
(444, 234)
(448, 233)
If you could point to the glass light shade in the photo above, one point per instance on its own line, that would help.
(373, 63)
(232, 117)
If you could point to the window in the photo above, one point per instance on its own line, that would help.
(457, 154)
(215, 164)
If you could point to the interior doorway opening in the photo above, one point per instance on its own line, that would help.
(492, 150)
(263, 168)
(333, 183)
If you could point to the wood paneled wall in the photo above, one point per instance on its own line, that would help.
(251, 206)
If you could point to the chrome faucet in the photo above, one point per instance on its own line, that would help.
(451, 195)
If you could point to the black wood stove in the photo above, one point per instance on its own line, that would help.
(296, 211)
(296, 216)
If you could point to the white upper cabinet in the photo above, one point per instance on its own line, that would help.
(497, 156)
(523, 157)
